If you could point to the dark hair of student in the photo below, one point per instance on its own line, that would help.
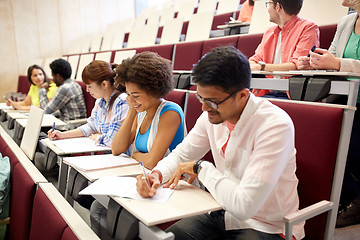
(251, 2)
(148, 71)
(98, 71)
(291, 7)
(224, 67)
(30, 70)
(61, 67)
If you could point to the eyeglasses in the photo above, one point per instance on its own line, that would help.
(212, 104)
(267, 4)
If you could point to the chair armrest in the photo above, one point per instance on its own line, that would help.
(304, 214)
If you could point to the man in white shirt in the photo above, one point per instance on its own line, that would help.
(252, 142)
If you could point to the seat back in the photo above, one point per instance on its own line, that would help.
(187, 54)
(247, 44)
(327, 33)
(317, 134)
(89, 100)
(23, 84)
(177, 96)
(213, 43)
(22, 194)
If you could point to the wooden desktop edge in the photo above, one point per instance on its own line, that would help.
(186, 201)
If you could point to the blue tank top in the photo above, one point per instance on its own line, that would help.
(141, 140)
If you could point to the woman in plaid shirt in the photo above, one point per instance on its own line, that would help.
(110, 108)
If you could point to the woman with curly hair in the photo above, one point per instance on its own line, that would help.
(38, 79)
(153, 125)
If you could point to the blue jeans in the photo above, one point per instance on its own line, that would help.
(212, 226)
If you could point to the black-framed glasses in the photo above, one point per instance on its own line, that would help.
(212, 104)
(267, 4)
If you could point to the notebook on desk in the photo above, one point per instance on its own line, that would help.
(97, 162)
(32, 131)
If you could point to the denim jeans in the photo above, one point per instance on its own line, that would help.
(212, 226)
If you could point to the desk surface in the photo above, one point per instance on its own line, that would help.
(186, 201)
(309, 73)
(47, 121)
(50, 144)
(235, 24)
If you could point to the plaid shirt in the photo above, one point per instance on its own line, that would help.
(68, 99)
(106, 122)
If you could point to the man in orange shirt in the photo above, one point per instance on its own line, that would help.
(246, 11)
(281, 45)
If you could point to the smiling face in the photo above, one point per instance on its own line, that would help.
(229, 110)
(139, 99)
(37, 77)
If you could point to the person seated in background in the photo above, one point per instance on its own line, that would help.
(68, 99)
(246, 11)
(255, 185)
(344, 55)
(154, 125)
(284, 43)
(110, 107)
(38, 79)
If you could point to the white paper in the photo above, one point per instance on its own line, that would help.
(75, 145)
(123, 187)
(96, 162)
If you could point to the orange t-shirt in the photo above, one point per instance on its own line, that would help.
(246, 12)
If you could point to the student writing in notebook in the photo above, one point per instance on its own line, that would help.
(38, 79)
(110, 107)
(344, 55)
(252, 142)
(154, 125)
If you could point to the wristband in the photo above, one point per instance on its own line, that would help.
(160, 175)
(196, 167)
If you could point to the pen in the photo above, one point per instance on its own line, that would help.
(53, 128)
(143, 170)
(312, 49)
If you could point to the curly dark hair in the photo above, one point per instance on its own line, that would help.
(29, 73)
(149, 71)
(61, 67)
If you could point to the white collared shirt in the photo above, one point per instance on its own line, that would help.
(255, 181)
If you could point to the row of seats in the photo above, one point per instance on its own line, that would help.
(37, 210)
(185, 55)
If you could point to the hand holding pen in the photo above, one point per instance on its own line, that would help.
(147, 184)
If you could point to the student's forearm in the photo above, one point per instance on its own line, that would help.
(73, 133)
(280, 67)
(123, 138)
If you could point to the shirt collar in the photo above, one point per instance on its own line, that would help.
(289, 25)
(103, 103)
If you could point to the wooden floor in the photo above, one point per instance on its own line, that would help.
(348, 233)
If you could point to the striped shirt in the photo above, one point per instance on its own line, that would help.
(106, 122)
(68, 99)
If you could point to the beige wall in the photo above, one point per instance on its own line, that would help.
(32, 30)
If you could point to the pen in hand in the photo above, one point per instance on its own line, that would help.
(53, 129)
(312, 49)
(143, 170)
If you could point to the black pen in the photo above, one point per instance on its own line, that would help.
(312, 49)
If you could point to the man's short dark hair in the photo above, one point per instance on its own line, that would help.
(61, 67)
(291, 7)
(224, 67)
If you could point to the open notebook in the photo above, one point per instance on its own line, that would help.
(97, 162)
(123, 187)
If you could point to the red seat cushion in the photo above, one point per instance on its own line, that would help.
(213, 43)
(176, 97)
(23, 84)
(89, 100)
(187, 54)
(247, 44)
